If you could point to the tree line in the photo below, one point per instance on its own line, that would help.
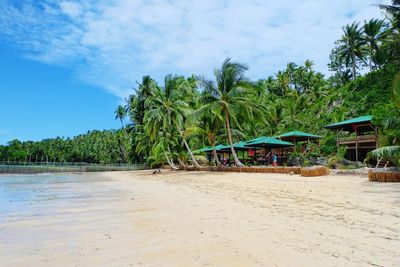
(167, 121)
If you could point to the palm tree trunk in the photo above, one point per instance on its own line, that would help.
(195, 163)
(214, 151)
(228, 129)
(353, 65)
(216, 158)
(371, 53)
(181, 163)
(170, 163)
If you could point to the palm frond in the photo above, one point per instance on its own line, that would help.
(390, 153)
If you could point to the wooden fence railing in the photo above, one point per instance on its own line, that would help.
(43, 167)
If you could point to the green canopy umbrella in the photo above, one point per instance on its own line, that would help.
(210, 148)
(267, 142)
(240, 146)
(296, 136)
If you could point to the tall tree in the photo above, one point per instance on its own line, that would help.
(228, 94)
(208, 127)
(120, 114)
(352, 46)
(167, 108)
(374, 33)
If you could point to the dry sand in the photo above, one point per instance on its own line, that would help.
(206, 219)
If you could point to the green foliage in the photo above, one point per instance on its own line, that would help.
(166, 122)
(93, 147)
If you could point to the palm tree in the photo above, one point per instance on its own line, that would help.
(228, 95)
(374, 34)
(352, 46)
(208, 127)
(162, 149)
(167, 108)
(120, 114)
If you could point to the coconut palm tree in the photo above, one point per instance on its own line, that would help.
(374, 33)
(208, 127)
(228, 94)
(168, 108)
(120, 114)
(352, 46)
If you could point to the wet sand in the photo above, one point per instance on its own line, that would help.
(199, 219)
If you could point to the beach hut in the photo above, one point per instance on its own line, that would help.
(239, 147)
(208, 150)
(268, 143)
(296, 137)
(359, 135)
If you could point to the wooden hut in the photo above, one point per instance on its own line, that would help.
(296, 137)
(268, 144)
(359, 135)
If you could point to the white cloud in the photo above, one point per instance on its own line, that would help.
(114, 43)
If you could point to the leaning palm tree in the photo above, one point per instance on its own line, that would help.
(374, 33)
(168, 109)
(352, 48)
(228, 94)
(208, 126)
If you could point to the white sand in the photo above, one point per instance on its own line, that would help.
(207, 219)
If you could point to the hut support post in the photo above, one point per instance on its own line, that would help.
(337, 140)
(356, 143)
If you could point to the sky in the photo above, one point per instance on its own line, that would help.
(66, 65)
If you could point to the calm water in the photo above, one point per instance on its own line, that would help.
(28, 193)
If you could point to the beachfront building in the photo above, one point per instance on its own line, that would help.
(209, 152)
(359, 135)
(270, 146)
(296, 137)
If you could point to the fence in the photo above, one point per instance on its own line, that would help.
(43, 167)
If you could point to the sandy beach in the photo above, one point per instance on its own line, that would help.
(199, 219)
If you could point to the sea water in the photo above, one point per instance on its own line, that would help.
(33, 193)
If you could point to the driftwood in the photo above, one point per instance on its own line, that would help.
(314, 171)
(384, 175)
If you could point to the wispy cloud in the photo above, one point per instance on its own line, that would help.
(114, 43)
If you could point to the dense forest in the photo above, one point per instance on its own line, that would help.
(168, 121)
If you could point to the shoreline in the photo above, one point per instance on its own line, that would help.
(204, 219)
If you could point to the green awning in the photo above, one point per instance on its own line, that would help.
(240, 146)
(256, 139)
(268, 142)
(210, 148)
(362, 123)
(297, 136)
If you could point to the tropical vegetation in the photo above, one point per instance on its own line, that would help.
(164, 123)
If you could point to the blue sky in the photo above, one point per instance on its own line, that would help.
(66, 65)
(39, 100)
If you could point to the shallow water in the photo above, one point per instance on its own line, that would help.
(27, 193)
